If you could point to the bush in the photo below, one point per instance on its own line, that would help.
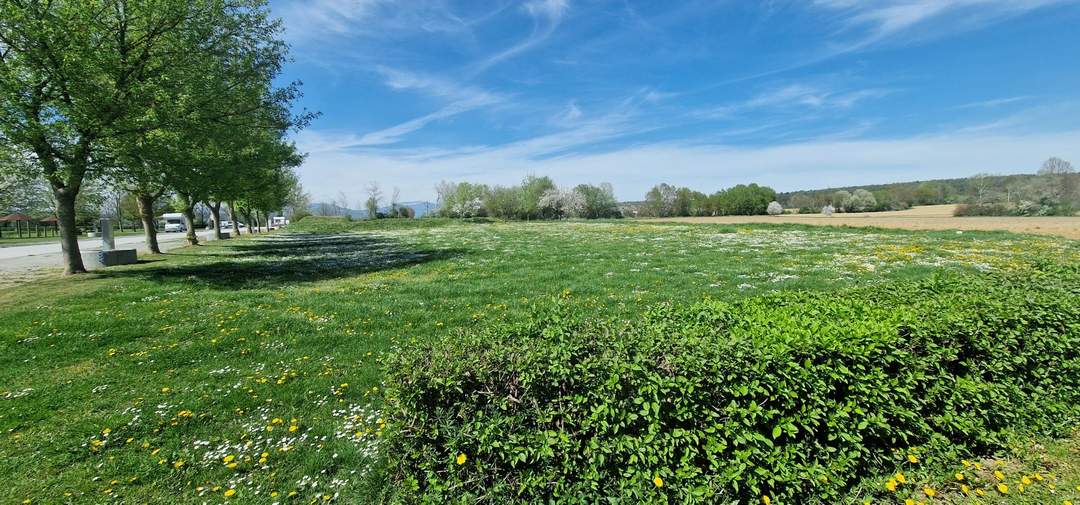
(792, 395)
(774, 208)
(968, 210)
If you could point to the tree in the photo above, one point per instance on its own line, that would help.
(75, 77)
(980, 184)
(683, 202)
(505, 202)
(842, 200)
(862, 200)
(744, 200)
(374, 197)
(597, 202)
(660, 200)
(1062, 183)
(532, 189)
(774, 208)
(341, 204)
(394, 196)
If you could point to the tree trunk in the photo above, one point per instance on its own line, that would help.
(189, 219)
(215, 214)
(146, 215)
(251, 225)
(235, 222)
(69, 235)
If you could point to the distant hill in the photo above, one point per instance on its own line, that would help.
(420, 209)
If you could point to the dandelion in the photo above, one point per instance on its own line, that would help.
(909, 501)
(1003, 488)
(178, 464)
(965, 489)
(891, 485)
(900, 477)
(461, 458)
(1025, 480)
(229, 458)
(999, 475)
(230, 493)
(959, 477)
(912, 458)
(929, 492)
(766, 500)
(165, 390)
(658, 481)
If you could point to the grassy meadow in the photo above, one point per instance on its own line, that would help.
(251, 370)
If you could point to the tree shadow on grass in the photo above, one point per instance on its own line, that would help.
(274, 260)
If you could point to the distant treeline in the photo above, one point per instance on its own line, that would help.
(1053, 190)
(534, 198)
(665, 200)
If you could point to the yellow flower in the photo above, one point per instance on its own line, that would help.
(999, 475)
(178, 464)
(229, 458)
(965, 462)
(461, 458)
(230, 493)
(912, 458)
(959, 476)
(891, 485)
(1002, 488)
(965, 489)
(658, 481)
(1067, 502)
(930, 493)
(900, 477)
(766, 500)
(165, 390)
(1025, 480)
(293, 428)
(909, 501)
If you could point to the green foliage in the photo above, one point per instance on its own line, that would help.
(793, 395)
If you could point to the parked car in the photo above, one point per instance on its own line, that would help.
(175, 227)
(227, 225)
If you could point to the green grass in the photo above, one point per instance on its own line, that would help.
(110, 380)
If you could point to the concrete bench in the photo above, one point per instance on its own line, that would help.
(102, 259)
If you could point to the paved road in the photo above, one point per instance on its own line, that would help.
(40, 256)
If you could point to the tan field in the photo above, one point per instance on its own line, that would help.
(930, 217)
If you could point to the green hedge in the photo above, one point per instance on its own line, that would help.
(795, 395)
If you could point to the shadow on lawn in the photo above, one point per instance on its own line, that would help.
(288, 258)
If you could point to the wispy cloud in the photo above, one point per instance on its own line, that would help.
(462, 99)
(878, 21)
(794, 96)
(546, 15)
(992, 103)
(395, 133)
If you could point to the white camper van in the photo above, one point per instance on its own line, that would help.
(173, 222)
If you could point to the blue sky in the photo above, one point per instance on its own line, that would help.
(792, 94)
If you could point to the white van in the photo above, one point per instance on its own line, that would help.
(173, 222)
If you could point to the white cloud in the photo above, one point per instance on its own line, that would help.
(886, 19)
(800, 165)
(463, 99)
(546, 14)
(395, 133)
